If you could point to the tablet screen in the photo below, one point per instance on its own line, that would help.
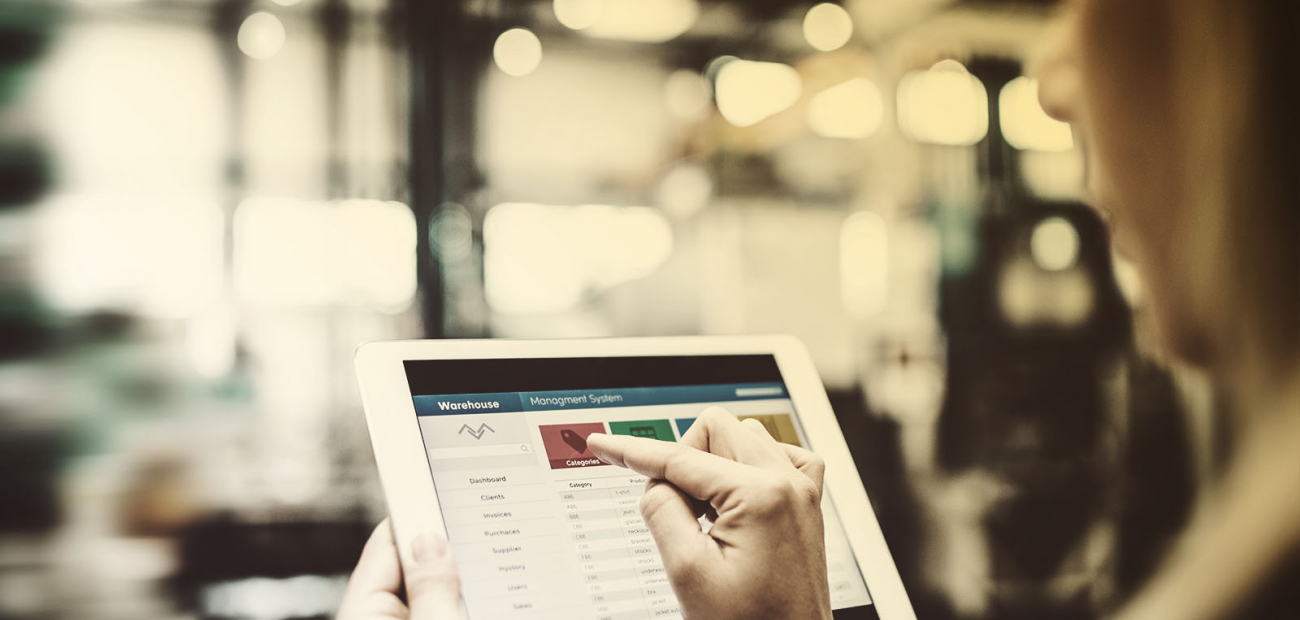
(543, 529)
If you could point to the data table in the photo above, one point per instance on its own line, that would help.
(617, 558)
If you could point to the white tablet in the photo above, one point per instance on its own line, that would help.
(486, 439)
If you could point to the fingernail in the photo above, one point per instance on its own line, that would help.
(426, 547)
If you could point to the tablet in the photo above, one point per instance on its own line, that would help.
(486, 440)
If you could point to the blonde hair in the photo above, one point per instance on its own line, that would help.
(1236, 64)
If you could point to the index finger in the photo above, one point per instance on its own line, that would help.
(700, 474)
(719, 432)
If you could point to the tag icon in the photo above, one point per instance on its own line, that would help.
(574, 440)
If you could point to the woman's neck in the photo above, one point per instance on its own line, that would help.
(1251, 523)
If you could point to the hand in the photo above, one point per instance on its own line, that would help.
(764, 556)
(432, 584)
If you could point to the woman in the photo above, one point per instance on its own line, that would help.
(1186, 111)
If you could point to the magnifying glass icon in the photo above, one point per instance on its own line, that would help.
(523, 448)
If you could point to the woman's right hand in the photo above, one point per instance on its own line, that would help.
(764, 556)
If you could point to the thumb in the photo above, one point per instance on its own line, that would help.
(432, 583)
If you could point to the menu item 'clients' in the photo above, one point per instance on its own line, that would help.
(566, 444)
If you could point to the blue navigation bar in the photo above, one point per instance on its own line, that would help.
(460, 404)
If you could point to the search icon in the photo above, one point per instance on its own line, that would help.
(523, 448)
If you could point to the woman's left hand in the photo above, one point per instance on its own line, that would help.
(432, 584)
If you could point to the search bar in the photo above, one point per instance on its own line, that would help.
(758, 391)
(465, 452)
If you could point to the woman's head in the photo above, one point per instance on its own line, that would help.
(1184, 108)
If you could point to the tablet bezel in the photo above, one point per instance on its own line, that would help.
(408, 484)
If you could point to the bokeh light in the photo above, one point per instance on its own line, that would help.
(578, 14)
(377, 240)
(517, 52)
(157, 256)
(749, 91)
(647, 21)
(1024, 123)
(853, 109)
(303, 253)
(864, 264)
(827, 27)
(684, 190)
(451, 231)
(1054, 244)
(541, 259)
(1028, 297)
(1054, 175)
(261, 36)
(945, 105)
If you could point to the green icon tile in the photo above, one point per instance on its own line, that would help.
(653, 429)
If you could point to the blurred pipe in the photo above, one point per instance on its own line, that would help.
(335, 26)
(997, 165)
(428, 25)
(227, 17)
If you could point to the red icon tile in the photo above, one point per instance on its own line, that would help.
(566, 444)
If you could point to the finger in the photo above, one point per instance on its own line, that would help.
(719, 432)
(378, 569)
(669, 516)
(700, 474)
(432, 583)
(757, 428)
(807, 462)
(372, 590)
(708, 431)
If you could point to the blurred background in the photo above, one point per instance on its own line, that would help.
(206, 205)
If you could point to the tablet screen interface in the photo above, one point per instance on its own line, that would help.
(539, 526)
